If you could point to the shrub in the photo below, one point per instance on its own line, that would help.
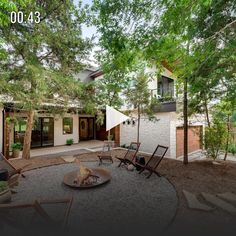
(3, 186)
(232, 148)
(16, 146)
(124, 146)
(69, 141)
(215, 139)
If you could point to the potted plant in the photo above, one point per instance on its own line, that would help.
(16, 147)
(69, 141)
(5, 193)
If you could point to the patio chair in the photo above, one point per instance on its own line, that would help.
(33, 216)
(154, 161)
(68, 201)
(5, 164)
(106, 152)
(130, 155)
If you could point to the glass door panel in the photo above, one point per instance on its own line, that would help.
(47, 131)
(91, 128)
(36, 133)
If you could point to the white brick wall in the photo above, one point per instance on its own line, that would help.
(173, 135)
(59, 137)
(152, 133)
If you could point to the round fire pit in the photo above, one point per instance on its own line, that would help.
(102, 176)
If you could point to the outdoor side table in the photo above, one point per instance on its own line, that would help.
(4, 175)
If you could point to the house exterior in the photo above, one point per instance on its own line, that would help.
(167, 130)
(48, 130)
(54, 130)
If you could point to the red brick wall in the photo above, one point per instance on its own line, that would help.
(194, 143)
(102, 134)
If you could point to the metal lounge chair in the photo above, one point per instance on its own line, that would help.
(154, 161)
(34, 216)
(5, 164)
(68, 201)
(130, 155)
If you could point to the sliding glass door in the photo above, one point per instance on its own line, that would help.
(43, 132)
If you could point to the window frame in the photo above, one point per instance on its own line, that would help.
(63, 124)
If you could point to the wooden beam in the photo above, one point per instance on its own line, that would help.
(6, 136)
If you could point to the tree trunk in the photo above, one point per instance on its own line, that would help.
(109, 135)
(6, 137)
(207, 111)
(185, 113)
(138, 124)
(227, 140)
(28, 133)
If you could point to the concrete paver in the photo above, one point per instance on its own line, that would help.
(194, 203)
(219, 202)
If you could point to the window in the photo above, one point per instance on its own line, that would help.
(67, 125)
(19, 130)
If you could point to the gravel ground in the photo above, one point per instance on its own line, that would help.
(196, 177)
(128, 203)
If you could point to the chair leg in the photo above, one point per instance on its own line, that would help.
(120, 164)
(149, 175)
(23, 175)
(157, 174)
(141, 171)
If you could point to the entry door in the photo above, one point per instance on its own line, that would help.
(86, 128)
(91, 128)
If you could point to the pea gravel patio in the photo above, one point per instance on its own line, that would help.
(129, 203)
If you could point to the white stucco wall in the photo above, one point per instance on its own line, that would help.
(83, 76)
(1, 129)
(152, 133)
(173, 135)
(59, 137)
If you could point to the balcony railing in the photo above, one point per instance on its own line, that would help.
(163, 95)
(167, 100)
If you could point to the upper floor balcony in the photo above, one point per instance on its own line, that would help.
(165, 95)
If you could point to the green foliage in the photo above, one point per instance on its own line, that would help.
(3, 186)
(12, 120)
(215, 138)
(139, 96)
(44, 57)
(7, 6)
(109, 87)
(16, 146)
(232, 148)
(38, 61)
(69, 141)
(196, 39)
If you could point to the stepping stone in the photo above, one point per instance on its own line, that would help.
(219, 202)
(69, 159)
(194, 203)
(228, 196)
(216, 163)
